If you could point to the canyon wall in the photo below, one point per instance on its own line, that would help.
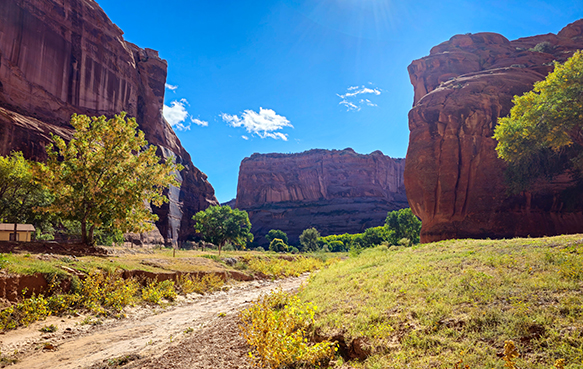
(337, 191)
(59, 57)
(454, 180)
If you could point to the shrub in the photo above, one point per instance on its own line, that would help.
(107, 290)
(260, 249)
(543, 47)
(278, 245)
(155, 291)
(201, 285)
(228, 247)
(277, 327)
(336, 246)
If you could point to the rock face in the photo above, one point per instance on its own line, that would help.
(336, 191)
(454, 180)
(59, 57)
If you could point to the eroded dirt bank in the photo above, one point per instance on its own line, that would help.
(196, 332)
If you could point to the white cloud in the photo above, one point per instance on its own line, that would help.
(263, 124)
(199, 122)
(170, 87)
(367, 102)
(353, 102)
(349, 105)
(176, 114)
(245, 137)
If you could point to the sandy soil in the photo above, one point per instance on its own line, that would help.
(196, 332)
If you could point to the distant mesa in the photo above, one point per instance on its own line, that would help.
(454, 180)
(335, 191)
(63, 57)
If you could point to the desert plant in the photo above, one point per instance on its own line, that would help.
(277, 327)
(155, 291)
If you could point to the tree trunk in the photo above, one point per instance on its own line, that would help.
(84, 231)
(15, 232)
(90, 235)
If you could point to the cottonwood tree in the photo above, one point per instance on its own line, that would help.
(309, 239)
(221, 224)
(545, 126)
(21, 196)
(403, 224)
(106, 175)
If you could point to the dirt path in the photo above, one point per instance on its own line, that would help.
(183, 334)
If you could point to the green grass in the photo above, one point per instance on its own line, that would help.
(431, 305)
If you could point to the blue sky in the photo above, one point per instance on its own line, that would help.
(291, 75)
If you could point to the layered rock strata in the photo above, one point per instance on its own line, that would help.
(454, 180)
(59, 57)
(337, 191)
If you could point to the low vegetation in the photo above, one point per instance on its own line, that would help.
(103, 291)
(401, 227)
(279, 328)
(292, 266)
(454, 304)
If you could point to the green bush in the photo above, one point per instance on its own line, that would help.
(276, 233)
(543, 47)
(278, 245)
(228, 247)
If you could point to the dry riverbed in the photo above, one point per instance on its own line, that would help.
(194, 332)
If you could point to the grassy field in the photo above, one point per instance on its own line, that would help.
(97, 285)
(164, 260)
(434, 305)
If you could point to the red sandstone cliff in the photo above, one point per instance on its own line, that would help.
(63, 57)
(337, 191)
(454, 180)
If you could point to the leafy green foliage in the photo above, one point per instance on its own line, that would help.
(403, 224)
(276, 233)
(278, 245)
(309, 239)
(219, 224)
(545, 126)
(21, 196)
(105, 175)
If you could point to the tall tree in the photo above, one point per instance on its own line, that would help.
(545, 125)
(221, 224)
(403, 224)
(106, 175)
(21, 195)
(309, 239)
